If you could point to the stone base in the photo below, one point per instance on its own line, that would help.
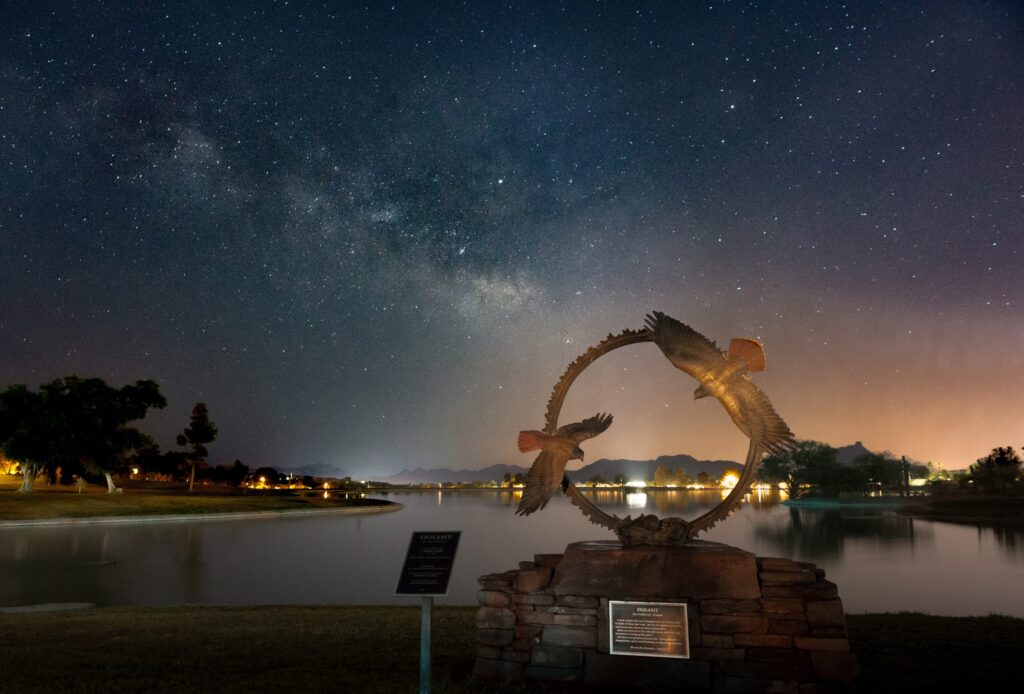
(755, 624)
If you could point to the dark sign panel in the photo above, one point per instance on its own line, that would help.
(655, 629)
(428, 563)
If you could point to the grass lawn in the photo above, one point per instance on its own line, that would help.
(45, 503)
(375, 649)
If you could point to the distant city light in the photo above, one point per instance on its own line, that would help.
(636, 499)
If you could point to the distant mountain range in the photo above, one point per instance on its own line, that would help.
(631, 469)
(644, 469)
(443, 474)
(846, 454)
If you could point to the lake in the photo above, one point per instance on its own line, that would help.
(880, 560)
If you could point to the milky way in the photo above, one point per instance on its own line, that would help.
(371, 238)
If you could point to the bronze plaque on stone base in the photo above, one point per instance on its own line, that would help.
(653, 629)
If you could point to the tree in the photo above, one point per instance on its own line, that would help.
(811, 465)
(704, 479)
(664, 477)
(506, 479)
(73, 423)
(881, 469)
(661, 476)
(93, 422)
(619, 479)
(269, 476)
(237, 472)
(146, 458)
(197, 434)
(172, 464)
(1000, 468)
(23, 431)
(730, 477)
(596, 480)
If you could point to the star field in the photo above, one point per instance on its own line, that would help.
(371, 238)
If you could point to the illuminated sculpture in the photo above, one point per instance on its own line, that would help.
(719, 374)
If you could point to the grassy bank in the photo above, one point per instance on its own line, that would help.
(363, 649)
(46, 504)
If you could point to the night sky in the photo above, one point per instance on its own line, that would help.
(371, 237)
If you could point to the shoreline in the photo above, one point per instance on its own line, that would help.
(385, 507)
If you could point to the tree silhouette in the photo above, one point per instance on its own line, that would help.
(1000, 468)
(661, 476)
(197, 434)
(24, 434)
(812, 465)
(74, 423)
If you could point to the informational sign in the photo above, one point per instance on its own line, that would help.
(428, 563)
(654, 629)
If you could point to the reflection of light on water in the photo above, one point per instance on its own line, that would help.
(636, 500)
(759, 491)
(326, 495)
(440, 497)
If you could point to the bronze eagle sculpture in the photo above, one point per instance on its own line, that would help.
(556, 450)
(723, 375)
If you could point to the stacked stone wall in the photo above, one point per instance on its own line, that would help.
(791, 638)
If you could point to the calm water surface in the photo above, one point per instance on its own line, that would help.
(881, 561)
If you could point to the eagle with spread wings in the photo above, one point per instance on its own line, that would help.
(723, 375)
(556, 450)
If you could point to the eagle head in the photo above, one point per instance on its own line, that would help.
(577, 454)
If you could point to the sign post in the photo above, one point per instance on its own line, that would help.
(426, 615)
(426, 572)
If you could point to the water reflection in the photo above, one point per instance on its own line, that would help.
(823, 532)
(1010, 541)
(636, 500)
(686, 503)
(881, 561)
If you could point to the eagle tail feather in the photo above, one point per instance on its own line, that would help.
(749, 351)
(530, 440)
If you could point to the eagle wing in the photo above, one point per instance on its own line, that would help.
(686, 348)
(542, 481)
(753, 413)
(587, 429)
